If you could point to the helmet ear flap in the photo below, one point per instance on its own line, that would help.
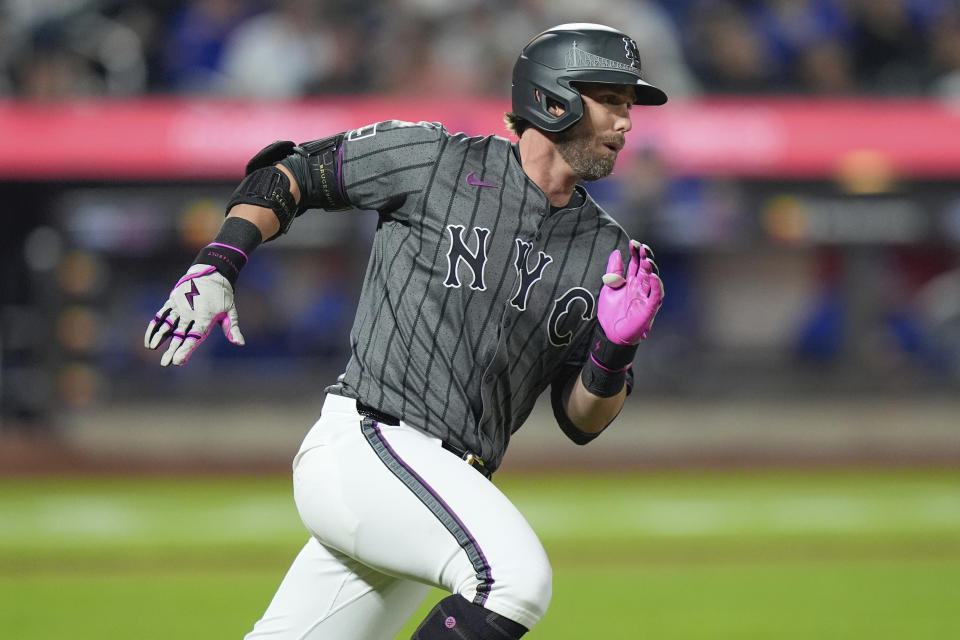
(548, 104)
(535, 87)
(569, 102)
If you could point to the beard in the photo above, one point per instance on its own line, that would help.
(576, 145)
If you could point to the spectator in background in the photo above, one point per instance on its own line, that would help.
(806, 40)
(825, 68)
(353, 28)
(57, 55)
(727, 52)
(643, 192)
(63, 48)
(790, 26)
(888, 44)
(46, 68)
(453, 58)
(944, 46)
(405, 64)
(282, 53)
(6, 51)
(195, 41)
(508, 27)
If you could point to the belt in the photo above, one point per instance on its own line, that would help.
(385, 418)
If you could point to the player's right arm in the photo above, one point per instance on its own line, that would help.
(381, 167)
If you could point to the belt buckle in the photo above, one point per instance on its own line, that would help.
(473, 460)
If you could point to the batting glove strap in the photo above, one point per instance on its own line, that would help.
(601, 382)
(605, 372)
(230, 250)
(609, 355)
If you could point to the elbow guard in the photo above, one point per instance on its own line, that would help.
(266, 186)
(316, 167)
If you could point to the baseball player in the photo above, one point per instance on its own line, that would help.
(493, 276)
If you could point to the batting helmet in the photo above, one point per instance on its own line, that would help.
(575, 52)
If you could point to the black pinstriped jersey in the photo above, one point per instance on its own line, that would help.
(476, 297)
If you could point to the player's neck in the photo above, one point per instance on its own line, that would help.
(546, 168)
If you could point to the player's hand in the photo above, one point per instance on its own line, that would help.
(628, 305)
(201, 299)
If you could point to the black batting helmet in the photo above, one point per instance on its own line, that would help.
(575, 52)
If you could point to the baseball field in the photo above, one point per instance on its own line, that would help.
(682, 555)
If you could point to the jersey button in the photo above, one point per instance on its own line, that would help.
(507, 322)
(488, 379)
(538, 236)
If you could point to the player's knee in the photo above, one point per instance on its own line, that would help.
(535, 587)
(522, 592)
(456, 618)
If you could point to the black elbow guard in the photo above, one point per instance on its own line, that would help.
(267, 186)
(316, 166)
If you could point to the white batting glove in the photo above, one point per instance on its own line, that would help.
(200, 299)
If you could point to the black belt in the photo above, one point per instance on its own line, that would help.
(385, 418)
(380, 416)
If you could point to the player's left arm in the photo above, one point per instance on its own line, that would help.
(628, 304)
(588, 412)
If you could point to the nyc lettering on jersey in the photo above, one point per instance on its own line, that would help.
(574, 305)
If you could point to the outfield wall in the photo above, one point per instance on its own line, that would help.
(650, 434)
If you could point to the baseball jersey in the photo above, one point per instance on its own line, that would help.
(476, 296)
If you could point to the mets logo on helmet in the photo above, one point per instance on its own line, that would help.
(633, 54)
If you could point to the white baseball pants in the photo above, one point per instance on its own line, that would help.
(392, 513)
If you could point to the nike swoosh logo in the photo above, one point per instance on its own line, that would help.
(474, 181)
(193, 293)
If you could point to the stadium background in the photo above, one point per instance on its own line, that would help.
(789, 464)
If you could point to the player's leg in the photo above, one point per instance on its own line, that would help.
(395, 499)
(327, 595)
(500, 577)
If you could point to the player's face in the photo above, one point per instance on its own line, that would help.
(591, 146)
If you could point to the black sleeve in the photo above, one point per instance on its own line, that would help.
(557, 389)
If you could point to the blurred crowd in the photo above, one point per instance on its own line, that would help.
(52, 49)
(753, 289)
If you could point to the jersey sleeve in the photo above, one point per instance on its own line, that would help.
(385, 163)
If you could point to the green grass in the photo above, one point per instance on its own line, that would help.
(659, 555)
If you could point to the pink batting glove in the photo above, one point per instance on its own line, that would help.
(628, 306)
